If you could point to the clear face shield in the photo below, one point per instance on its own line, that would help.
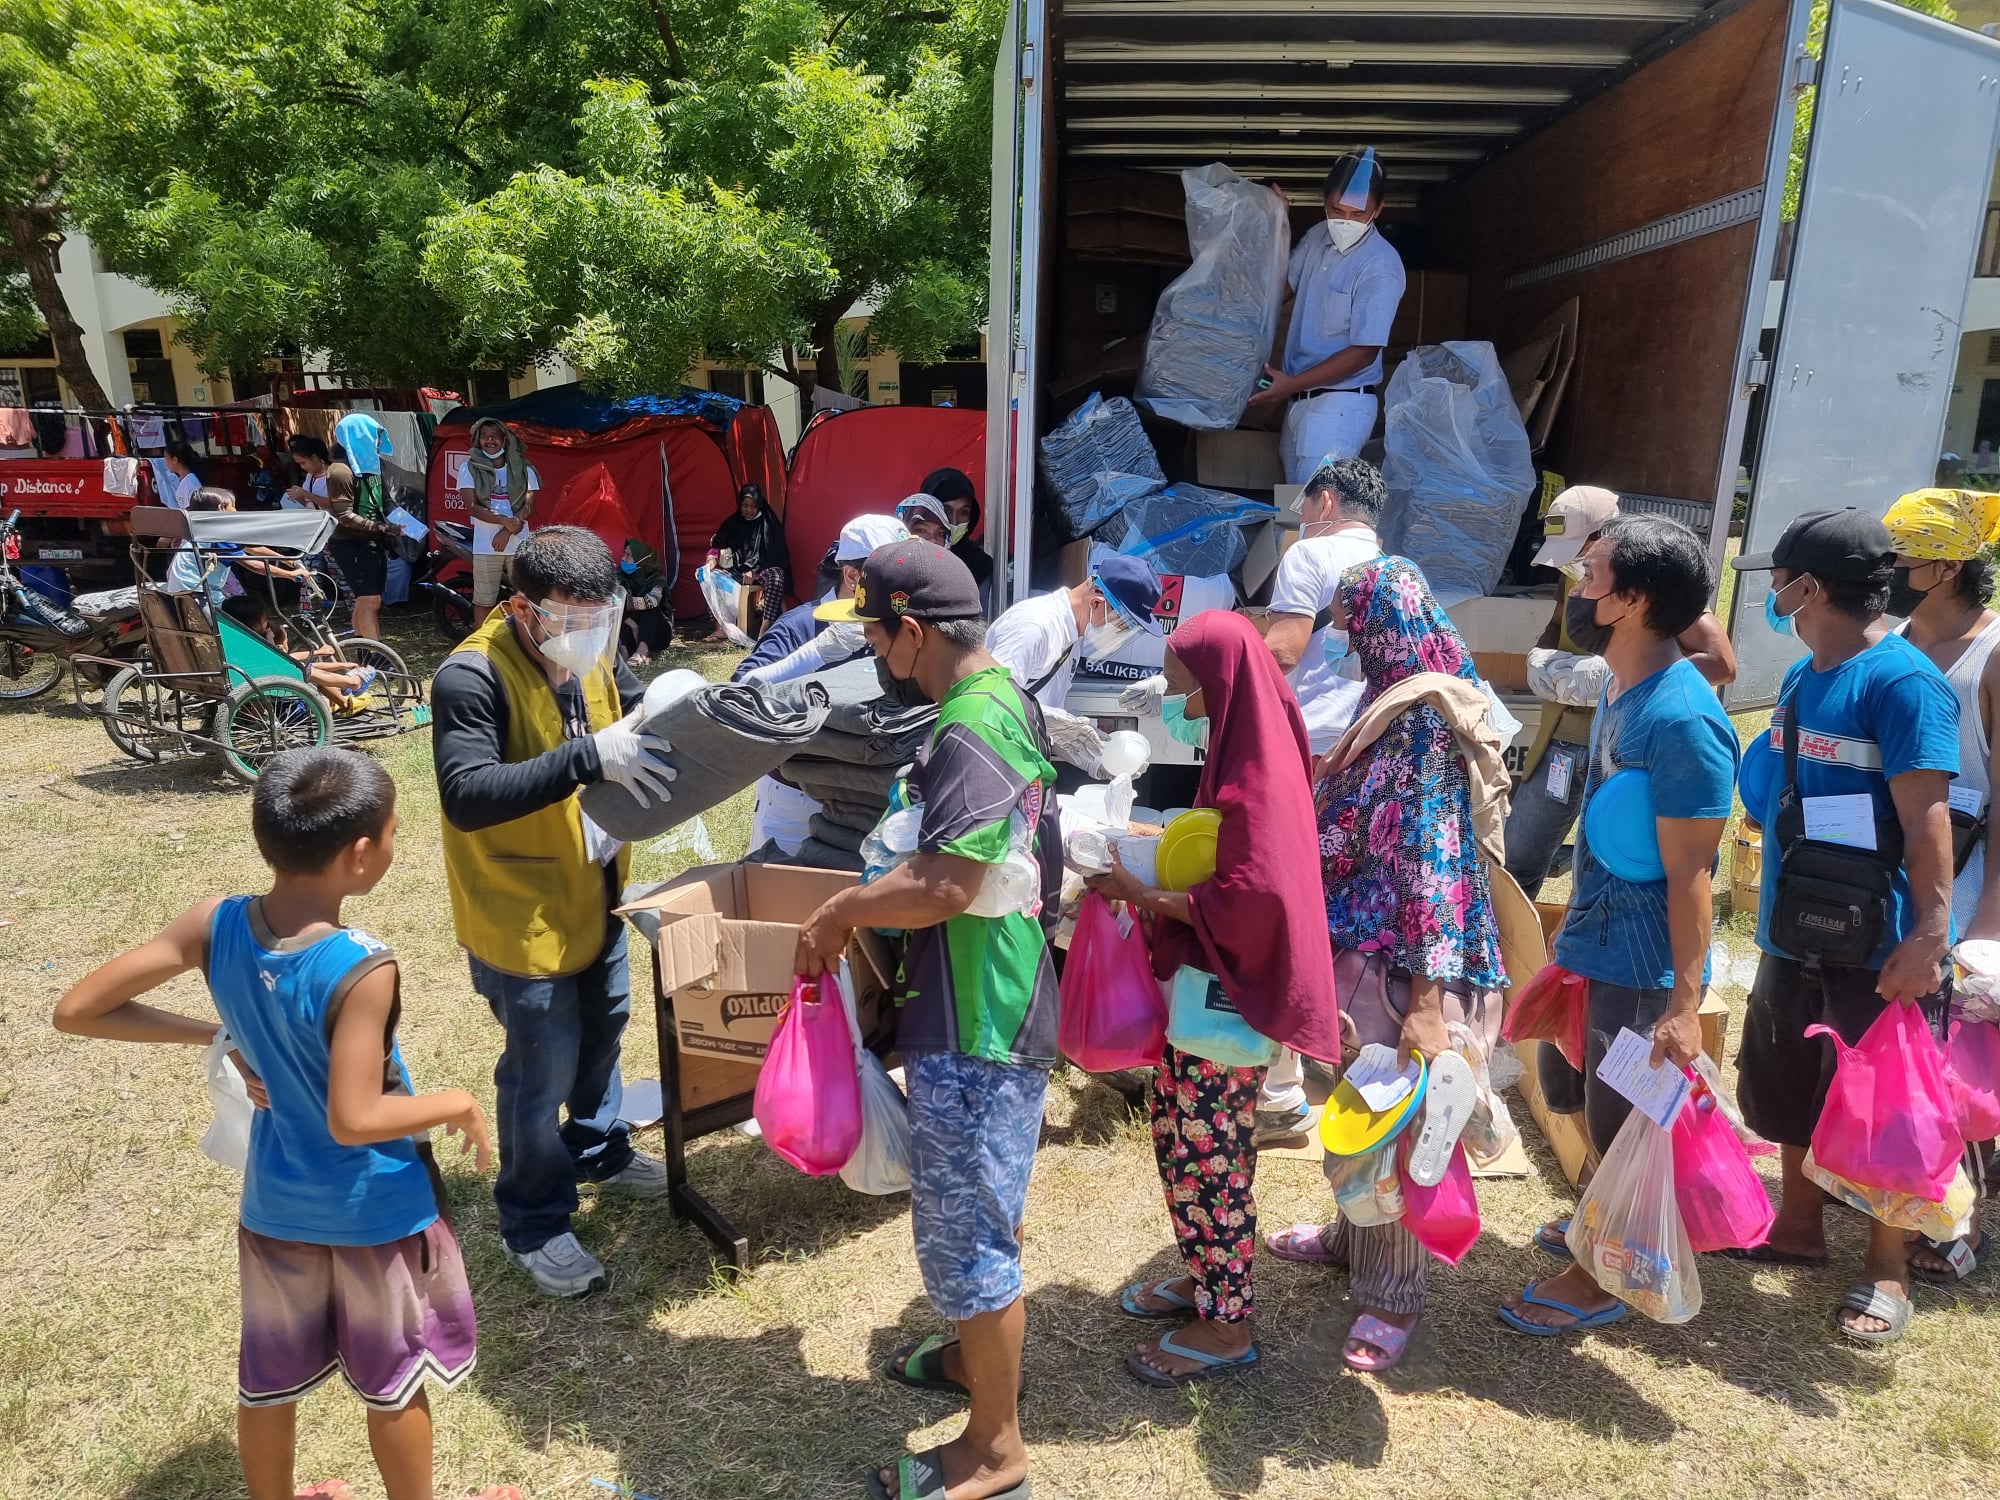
(1353, 196)
(579, 637)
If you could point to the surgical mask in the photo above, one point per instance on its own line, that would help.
(1188, 731)
(628, 566)
(1336, 647)
(1346, 233)
(1903, 600)
(959, 531)
(1781, 624)
(1580, 623)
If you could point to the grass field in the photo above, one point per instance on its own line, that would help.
(118, 1287)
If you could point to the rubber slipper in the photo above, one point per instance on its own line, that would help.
(1583, 1322)
(1207, 1365)
(325, 1489)
(1128, 1301)
(920, 1366)
(1960, 1259)
(1448, 1101)
(1303, 1244)
(1376, 1333)
(920, 1476)
(1555, 1244)
(1764, 1255)
(1869, 1300)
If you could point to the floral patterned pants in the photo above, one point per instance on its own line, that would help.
(1204, 1123)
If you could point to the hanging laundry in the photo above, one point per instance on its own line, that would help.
(121, 477)
(149, 431)
(163, 481)
(16, 429)
(76, 438)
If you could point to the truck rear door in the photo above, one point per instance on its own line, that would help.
(1890, 214)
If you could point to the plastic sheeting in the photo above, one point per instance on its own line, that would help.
(1099, 441)
(1214, 326)
(1457, 466)
(1183, 528)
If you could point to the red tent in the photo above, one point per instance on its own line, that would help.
(853, 462)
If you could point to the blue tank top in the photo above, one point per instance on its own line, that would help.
(278, 999)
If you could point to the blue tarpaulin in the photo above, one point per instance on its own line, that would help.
(573, 407)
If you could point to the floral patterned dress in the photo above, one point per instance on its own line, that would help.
(1403, 874)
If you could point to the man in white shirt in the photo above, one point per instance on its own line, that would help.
(1346, 282)
(1041, 640)
(499, 516)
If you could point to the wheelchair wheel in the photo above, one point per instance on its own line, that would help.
(26, 672)
(267, 715)
(126, 694)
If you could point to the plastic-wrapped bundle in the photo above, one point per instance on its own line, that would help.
(1183, 528)
(1097, 439)
(1456, 465)
(1213, 327)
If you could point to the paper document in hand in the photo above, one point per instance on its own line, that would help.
(1377, 1079)
(1848, 820)
(408, 524)
(1657, 1093)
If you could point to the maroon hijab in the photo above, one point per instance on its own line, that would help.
(1260, 921)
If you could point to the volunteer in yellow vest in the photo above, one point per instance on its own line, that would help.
(534, 704)
(1568, 680)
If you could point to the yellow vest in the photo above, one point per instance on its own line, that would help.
(526, 897)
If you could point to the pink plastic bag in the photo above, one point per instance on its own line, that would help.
(1722, 1199)
(1445, 1218)
(1552, 1007)
(1972, 1074)
(1113, 1012)
(1888, 1120)
(808, 1101)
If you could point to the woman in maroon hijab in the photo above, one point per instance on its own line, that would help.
(1259, 926)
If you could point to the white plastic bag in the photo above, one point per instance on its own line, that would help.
(227, 1139)
(722, 593)
(1627, 1231)
(880, 1165)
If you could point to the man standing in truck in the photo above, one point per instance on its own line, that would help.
(1346, 283)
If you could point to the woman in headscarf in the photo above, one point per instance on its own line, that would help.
(752, 544)
(1256, 925)
(1406, 887)
(953, 488)
(647, 628)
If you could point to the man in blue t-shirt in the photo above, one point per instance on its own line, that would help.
(1877, 728)
(1641, 944)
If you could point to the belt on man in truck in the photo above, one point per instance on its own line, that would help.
(1335, 390)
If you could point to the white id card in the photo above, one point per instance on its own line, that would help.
(1966, 799)
(1562, 766)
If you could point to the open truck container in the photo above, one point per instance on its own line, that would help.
(1628, 154)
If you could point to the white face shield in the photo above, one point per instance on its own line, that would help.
(578, 637)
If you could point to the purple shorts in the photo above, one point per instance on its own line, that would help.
(387, 1317)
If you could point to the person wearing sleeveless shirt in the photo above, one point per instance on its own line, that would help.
(1944, 576)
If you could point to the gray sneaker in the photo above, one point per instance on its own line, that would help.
(641, 1177)
(561, 1268)
(1286, 1127)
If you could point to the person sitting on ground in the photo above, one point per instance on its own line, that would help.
(750, 547)
(1639, 588)
(533, 705)
(1944, 577)
(952, 488)
(978, 1030)
(347, 1255)
(1873, 718)
(648, 626)
(1257, 926)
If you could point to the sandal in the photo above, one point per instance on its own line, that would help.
(1960, 1259)
(326, 1489)
(1303, 1244)
(1128, 1301)
(1557, 1244)
(1449, 1095)
(1764, 1255)
(1869, 1300)
(1582, 1322)
(920, 1366)
(1390, 1342)
(1208, 1365)
(920, 1476)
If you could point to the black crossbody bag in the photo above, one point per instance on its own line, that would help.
(1833, 901)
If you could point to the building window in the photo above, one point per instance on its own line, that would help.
(489, 387)
(729, 383)
(10, 388)
(144, 343)
(41, 386)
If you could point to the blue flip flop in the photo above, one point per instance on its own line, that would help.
(1207, 1364)
(1557, 1245)
(1585, 1321)
(1128, 1301)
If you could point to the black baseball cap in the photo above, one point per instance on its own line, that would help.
(914, 578)
(1841, 546)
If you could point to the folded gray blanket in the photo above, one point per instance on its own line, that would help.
(723, 738)
(832, 780)
(855, 705)
(826, 831)
(812, 855)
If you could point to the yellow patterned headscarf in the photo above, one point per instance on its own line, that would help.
(1943, 525)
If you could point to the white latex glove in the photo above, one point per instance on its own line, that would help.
(1564, 677)
(635, 761)
(1075, 740)
(1146, 696)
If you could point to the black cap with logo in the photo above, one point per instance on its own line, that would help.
(1841, 546)
(914, 578)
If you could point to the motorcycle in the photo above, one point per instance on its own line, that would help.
(39, 637)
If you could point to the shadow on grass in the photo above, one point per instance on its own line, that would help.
(206, 1467)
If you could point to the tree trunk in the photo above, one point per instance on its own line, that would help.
(825, 332)
(25, 228)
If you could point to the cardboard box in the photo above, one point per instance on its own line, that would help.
(1504, 671)
(727, 934)
(1505, 624)
(1268, 542)
(1238, 460)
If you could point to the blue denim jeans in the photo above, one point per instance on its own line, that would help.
(1538, 823)
(563, 1037)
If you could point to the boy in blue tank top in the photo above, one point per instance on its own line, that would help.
(347, 1261)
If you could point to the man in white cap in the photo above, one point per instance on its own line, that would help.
(804, 645)
(1570, 680)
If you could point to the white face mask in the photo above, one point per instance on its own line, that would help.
(958, 531)
(579, 651)
(1346, 233)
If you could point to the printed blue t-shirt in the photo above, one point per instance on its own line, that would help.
(1671, 727)
(1879, 714)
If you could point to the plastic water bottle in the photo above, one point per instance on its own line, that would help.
(668, 688)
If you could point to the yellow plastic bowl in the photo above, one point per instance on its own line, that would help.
(1187, 849)
(1348, 1127)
